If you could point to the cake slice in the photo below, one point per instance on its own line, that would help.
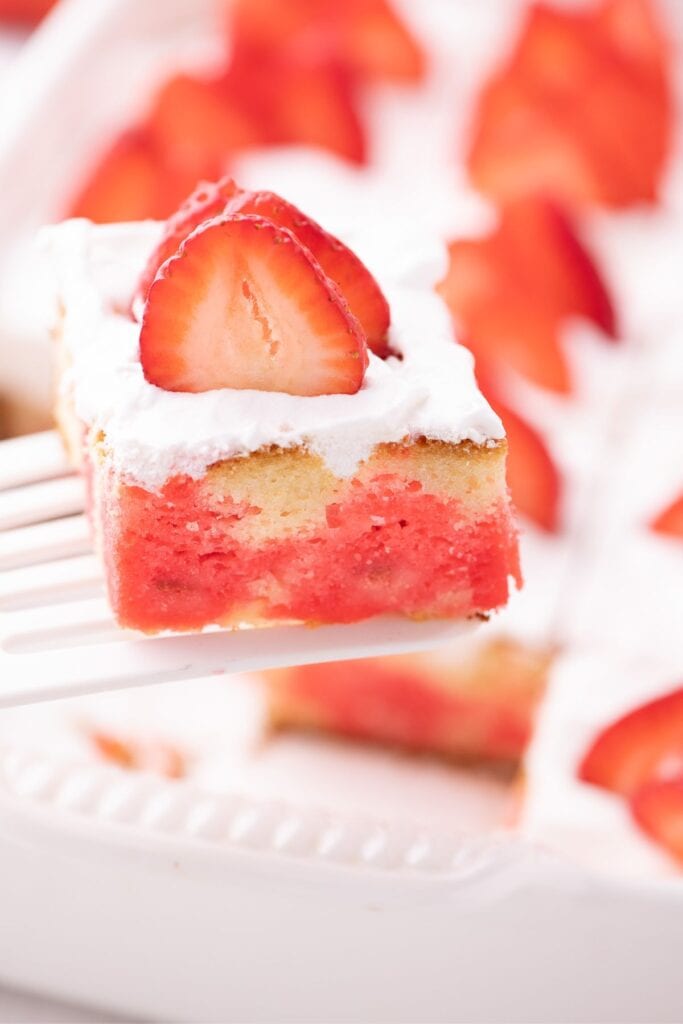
(271, 436)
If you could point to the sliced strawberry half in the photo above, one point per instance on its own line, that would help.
(244, 305)
(366, 37)
(645, 744)
(360, 289)
(511, 291)
(670, 521)
(657, 807)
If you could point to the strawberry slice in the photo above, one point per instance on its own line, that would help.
(657, 807)
(131, 181)
(197, 124)
(300, 98)
(670, 521)
(24, 12)
(137, 755)
(581, 109)
(244, 305)
(632, 29)
(375, 44)
(644, 744)
(342, 266)
(533, 478)
(366, 37)
(126, 183)
(511, 292)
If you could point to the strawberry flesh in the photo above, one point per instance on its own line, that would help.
(360, 289)
(342, 266)
(244, 305)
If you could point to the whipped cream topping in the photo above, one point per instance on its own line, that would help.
(154, 434)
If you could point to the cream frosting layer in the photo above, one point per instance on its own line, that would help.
(154, 434)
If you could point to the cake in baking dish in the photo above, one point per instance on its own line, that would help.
(268, 435)
(471, 701)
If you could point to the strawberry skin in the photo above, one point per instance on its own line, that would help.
(244, 305)
(657, 808)
(638, 747)
(670, 521)
(360, 289)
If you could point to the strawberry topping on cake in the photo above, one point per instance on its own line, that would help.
(646, 743)
(640, 757)
(581, 108)
(511, 292)
(670, 520)
(244, 305)
(339, 263)
(365, 37)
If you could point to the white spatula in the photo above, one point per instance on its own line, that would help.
(57, 634)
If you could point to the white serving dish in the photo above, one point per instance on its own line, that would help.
(303, 881)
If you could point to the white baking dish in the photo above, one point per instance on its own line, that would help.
(302, 881)
(308, 882)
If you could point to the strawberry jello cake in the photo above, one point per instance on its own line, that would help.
(268, 434)
(469, 702)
